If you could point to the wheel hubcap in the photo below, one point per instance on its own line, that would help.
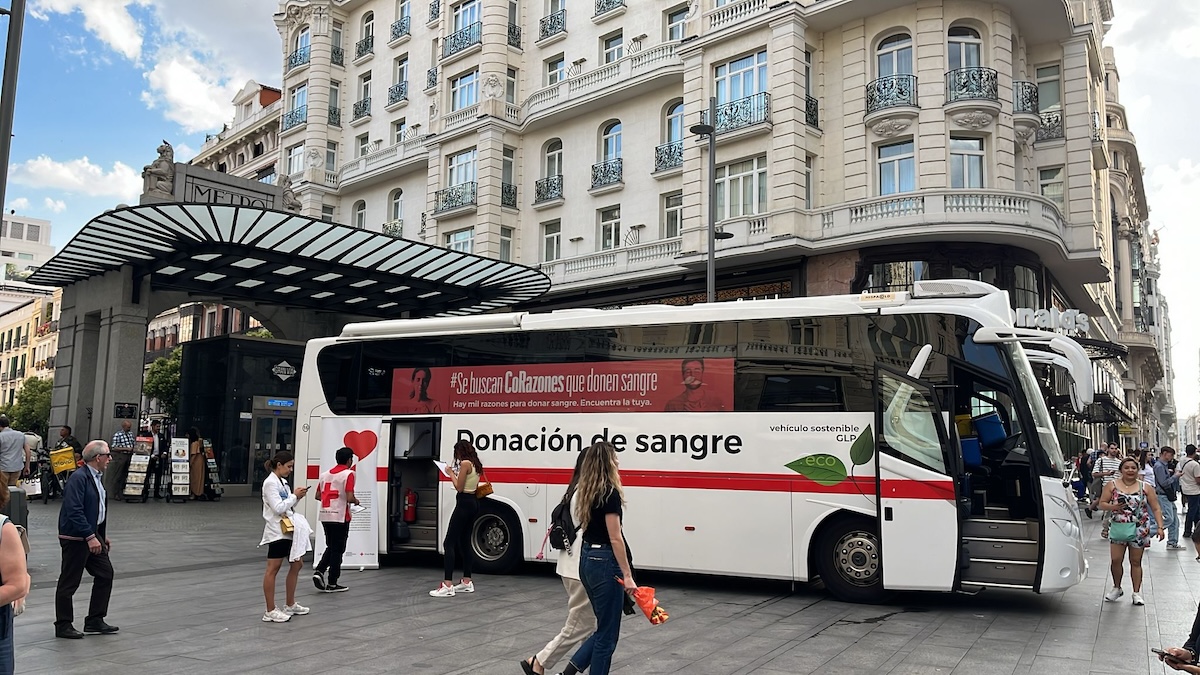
(857, 558)
(490, 538)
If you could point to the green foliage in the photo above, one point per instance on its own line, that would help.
(259, 332)
(31, 410)
(162, 381)
(863, 450)
(821, 469)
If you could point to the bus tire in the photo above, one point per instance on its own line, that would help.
(847, 558)
(496, 542)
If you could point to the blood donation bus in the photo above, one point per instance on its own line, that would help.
(881, 442)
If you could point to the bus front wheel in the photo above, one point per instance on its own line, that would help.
(496, 538)
(848, 559)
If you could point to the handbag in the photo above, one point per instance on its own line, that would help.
(286, 526)
(484, 488)
(1122, 533)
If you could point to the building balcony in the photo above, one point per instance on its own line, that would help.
(668, 156)
(972, 84)
(607, 173)
(397, 92)
(514, 35)
(548, 189)
(1100, 156)
(508, 195)
(552, 25)
(732, 13)
(400, 29)
(431, 78)
(455, 197)
(298, 58)
(435, 11)
(1136, 340)
(1025, 98)
(462, 40)
(892, 91)
(604, 7)
(259, 120)
(24, 340)
(335, 117)
(654, 256)
(1051, 127)
(406, 156)
(812, 114)
(460, 117)
(337, 56)
(394, 228)
(361, 109)
(294, 118)
(364, 47)
(744, 112)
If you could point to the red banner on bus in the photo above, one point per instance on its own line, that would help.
(664, 385)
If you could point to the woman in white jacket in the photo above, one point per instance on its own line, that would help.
(278, 501)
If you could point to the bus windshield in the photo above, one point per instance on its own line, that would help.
(1047, 438)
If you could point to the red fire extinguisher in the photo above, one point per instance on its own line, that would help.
(410, 505)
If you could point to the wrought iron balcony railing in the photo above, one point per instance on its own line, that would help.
(462, 39)
(338, 56)
(552, 24)
(548, 189)
(401, 27)
(362, 108)
(603, 6)
(394, 228)
(742, 112)
(508, 195)
(335, 117)
(398, 92)
(364, 46)
(295, 117)
(454, 197)
(431, 79)
(892, 91)
(514, 35)
(972, 84)
(1097, 127)
(298, 57)
(435, 10)
(607, 173)
(668, 156)
(1052, 125)
(812, 112)
(1025, 97)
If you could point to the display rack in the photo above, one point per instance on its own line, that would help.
(179, 470)
(139, 467)
(212, 488)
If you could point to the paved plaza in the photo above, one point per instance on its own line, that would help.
(188, 600)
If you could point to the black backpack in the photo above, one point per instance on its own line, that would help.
(562, 526)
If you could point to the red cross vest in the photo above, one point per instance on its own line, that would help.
(334, 508)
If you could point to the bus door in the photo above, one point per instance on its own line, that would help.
(413, 494)
(916, 490)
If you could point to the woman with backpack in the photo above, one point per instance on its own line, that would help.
(581, 622)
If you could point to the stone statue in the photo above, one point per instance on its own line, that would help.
(290, 203)
(159, 176)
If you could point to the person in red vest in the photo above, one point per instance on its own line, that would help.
(336, 492)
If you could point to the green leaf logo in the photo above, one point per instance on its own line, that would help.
(820, 469)
(863, 450)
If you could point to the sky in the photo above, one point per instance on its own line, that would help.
(103, 82)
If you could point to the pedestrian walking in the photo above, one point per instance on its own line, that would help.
(122, 452)
(335, 491)
(82, 533)
(604, 568)
(1166, 487)
(1105, 472)
(278, 502)
(1189, 487)
(1131, 503)
(465, 473)
(14, 453)
(195, 464)
(14, 585)
(581, 620)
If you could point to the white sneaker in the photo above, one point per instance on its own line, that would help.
(1137, 599)
(276, 616)
(1112, 595)
(294, 609)
(443, 591)
(464, 587)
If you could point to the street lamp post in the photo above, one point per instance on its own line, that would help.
(709, 130)
(8, 87)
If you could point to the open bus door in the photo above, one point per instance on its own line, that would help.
(917, 501)
(413, 485)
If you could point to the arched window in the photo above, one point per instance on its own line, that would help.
(303, 39)
(964, 48)
(396, 201)
(368, 25)
(360, 215)
(895, 56)
(554, 158)
(610, 142)
(675, 123)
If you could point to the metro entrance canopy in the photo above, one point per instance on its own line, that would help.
(280, 258)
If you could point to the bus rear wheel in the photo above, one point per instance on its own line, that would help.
(848, 560)
(496, 538)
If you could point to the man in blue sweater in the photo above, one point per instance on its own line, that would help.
(81, 532)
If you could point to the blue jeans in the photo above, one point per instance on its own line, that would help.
(598, 570)
(1170, 514)
(1193, 513)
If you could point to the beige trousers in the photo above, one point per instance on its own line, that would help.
(581, 623)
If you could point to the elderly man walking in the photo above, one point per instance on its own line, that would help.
(14, 453)
(82, 526)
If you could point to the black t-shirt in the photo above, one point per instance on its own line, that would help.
(597, 529)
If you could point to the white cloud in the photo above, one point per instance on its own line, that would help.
(184, 152)
(55, 205)
(78, 176)
(19, 204)
(109, 20)
(190, 93)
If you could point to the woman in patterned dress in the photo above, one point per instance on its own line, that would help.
(1131, 501)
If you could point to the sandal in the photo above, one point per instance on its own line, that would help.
(527, 666)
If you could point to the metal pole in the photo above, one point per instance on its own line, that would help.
(8, 89)
(712, 200)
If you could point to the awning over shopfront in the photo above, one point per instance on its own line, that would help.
(281, 258)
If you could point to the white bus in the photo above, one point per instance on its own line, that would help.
(881, 442)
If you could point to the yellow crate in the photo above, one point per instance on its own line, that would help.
(62, 460)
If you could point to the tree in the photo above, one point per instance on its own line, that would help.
(31, 410)
(162, 381)
(259, 332)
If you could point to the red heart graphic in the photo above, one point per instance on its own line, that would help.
(361, 442)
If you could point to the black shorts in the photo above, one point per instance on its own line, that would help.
(280, 548)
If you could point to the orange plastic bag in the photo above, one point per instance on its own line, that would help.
(644, 597)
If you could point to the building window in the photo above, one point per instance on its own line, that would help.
(1026, 291)
(613, 48)
(808, 88)
(303, 39)
(295, 159)
(462, 240)
(363, 143)
(461, 167)
(402, 9)
(556, 70)
(741, 78)
(368, 25)
(810, 162)
(360, 214)
(1049, 88)
(964, 48)
(364, 86)
(506, 244)
(400, 70)
(1050, 183)
(610, 142)
(464, 90)
(672, 214)
(298, 97)
(510, 86)
(336, 35)
(966, 162)
(396, 200)
(399, 130)
(675, 123)
(466, 14)
(897, 168)
(508, 170)
(327, 213)
(894, 56)
(552, 241)
(33, 232)
(677, 23)
(742, 188)
(1117, 162)
(554, 158)
(331, 156)
(610, 228)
